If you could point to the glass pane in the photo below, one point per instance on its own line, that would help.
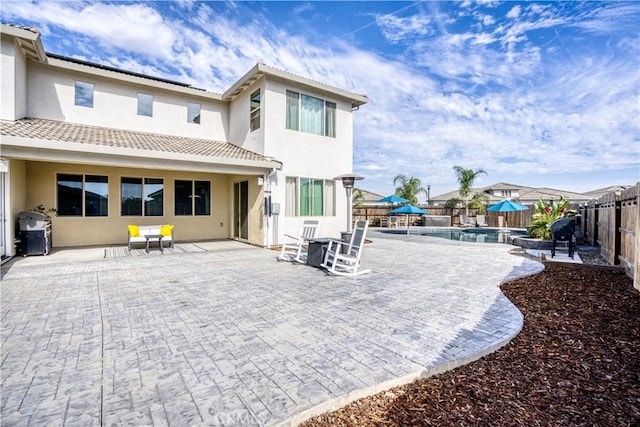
(193, 113)
(145, 104)
(292, 110)
(291, 200)
(69, 188)
(96, 195)
(131, 196)
(202, 198)
(330, 119)
(84, 94)
(311, 115)
(317, 198)
(153, 197)
(305, 197)
(254, 109)
(182, 196)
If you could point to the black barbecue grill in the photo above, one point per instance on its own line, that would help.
(563, 230)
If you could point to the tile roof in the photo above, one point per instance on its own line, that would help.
(82, 134)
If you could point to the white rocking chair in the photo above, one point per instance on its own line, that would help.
(295, 248)
(344, 258)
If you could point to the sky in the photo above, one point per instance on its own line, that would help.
(541, 94)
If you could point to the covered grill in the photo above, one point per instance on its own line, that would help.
(34, 233)
(563, 230)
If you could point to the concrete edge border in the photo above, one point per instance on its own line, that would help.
(334, 404)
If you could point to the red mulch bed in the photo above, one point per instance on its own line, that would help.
(576, 362)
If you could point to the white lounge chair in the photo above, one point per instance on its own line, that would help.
(481, 221)
(343, 258)
(465, 221)
(294, 248)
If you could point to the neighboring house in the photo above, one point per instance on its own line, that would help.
(107, 148)
(522, 194)
(596, 194)
(369, 199)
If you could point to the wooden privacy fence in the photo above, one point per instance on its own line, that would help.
(519, 219)
(613, 223)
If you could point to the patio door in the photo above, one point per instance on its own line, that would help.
(241, 210)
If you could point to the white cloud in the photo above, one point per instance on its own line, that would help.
(492, 98)
(397, 28)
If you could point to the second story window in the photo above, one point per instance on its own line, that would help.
(254, 110)
(84, 94)
(145, 104)
(193, 112)
(310, 114)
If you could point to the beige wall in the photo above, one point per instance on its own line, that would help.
(84, 231)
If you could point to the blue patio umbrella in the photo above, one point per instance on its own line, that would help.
(507, 206)
(393, 199)
(409, 210)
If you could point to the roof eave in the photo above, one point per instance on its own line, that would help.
(260, 70)
(70, 152)
(28, 40)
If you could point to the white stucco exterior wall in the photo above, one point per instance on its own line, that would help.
(51, 95)
(307, 155)
(13, 75)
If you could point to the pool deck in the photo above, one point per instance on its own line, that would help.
(230, 336)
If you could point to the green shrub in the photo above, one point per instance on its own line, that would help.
(546, 214)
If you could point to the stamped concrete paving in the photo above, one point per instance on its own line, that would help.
(236, 338)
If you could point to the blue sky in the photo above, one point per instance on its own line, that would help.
(544, 94)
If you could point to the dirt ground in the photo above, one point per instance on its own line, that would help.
(576, 362)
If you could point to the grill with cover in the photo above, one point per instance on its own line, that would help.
(34, 233)
(563, 230)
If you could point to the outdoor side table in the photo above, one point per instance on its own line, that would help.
(151, 237)
(317, 250)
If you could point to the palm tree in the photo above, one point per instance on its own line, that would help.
(357, 197)
(409, 188)
(465, 178)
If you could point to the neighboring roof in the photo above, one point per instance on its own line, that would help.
(596, 194)
(503, 186)
(260, 70)
(525, 193)
(369, 196)
(546, 193)
(27, 132)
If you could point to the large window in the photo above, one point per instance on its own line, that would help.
(311, 115)
(254, 110)
(141, 196)
(84, 94)
(145, 104)
(192, 197)
(309, 197)
(82, 195)
(193, 112)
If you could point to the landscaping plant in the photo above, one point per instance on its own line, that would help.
(546, 214)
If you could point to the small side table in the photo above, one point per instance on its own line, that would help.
(151, 237)
(316, 251)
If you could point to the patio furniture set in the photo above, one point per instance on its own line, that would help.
(335, 256)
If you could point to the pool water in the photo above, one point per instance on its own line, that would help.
(474, 235)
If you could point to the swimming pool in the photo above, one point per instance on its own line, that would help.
(476, 235)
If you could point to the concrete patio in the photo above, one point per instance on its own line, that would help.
(230, 336)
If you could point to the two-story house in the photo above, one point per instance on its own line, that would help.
(106, 147)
